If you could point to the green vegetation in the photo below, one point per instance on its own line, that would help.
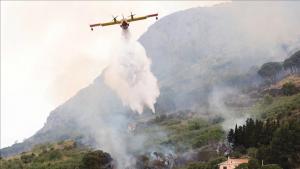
(268, 99)
(253, 133)
(27, 158)
(242, 166)
(184, 133)
(260, 139)
(275, 141)
(274, 137)
(252, 164)
(63, 155)
(282, 107)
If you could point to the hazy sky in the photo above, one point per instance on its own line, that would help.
(48, 53)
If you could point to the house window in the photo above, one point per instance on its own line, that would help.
(224, 167)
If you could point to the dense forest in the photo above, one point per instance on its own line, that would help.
(270, 141)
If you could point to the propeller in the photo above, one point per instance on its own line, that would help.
(131, 15)
(114, 18)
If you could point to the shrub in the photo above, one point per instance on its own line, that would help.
(96, 160)
(268, 99)
(27, 158)
(236, 154)
(289, 89)
(54, 155)
(195, 124)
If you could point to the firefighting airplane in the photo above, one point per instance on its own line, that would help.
(124, 23)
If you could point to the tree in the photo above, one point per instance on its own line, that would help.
(270, 70)
(235, 138)
(285, 145)
(252, 152)
(292, 63)
(276, 142)
(250, 138)
(235, 154)
(230, 136)
(264, 154)
(96, 160)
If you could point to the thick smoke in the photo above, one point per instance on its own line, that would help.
(129, 75)
(207, 53)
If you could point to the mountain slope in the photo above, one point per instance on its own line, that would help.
(202, 47)
(194, 53)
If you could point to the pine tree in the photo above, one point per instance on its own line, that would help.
(230, 136)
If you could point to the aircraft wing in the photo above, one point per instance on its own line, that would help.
(136, 18)
(141, 17)
(105, 24)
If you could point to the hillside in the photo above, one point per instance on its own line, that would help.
(170, 135)
(200, 56)
(273, 136)
(186, 131)
(57, 155)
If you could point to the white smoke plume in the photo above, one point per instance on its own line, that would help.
(217, 104)
(129, 75)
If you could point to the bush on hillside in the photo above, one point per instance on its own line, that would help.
(289, 89)
(96, 160)
(268, 99)
(27, 158)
